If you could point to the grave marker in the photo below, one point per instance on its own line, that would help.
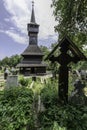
(69, 53)
(12, 81)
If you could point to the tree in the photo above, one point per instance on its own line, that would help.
(71, 16)
(10, 61)
(45, 51)
(5, 62)
(15, 59)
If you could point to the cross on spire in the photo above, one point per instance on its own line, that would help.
(32, 15)
(32, 3)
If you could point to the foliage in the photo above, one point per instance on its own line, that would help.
(71, 16)
(16, 108)
(49, 94)
(45, 50)
(37, 86)
(70, 117)
(54, 127)
(57, 127)
(2, 84)
(25, 82)
(10, 61)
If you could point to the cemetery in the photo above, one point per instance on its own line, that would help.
(44, 92)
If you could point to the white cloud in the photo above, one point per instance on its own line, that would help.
(14, 35)
(20, 11)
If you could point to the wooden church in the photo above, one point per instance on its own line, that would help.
(32, 63)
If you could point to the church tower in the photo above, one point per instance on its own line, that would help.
(32, 56)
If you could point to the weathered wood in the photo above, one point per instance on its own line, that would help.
(32, 56)
(64, 59)
(63, 84)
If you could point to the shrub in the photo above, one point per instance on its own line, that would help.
(49, 94)
(16, 108)
(71, 117)
(24, 81)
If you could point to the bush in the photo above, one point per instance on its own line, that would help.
(71, 117)
(49, 94)
(16, 108)
(24, 81)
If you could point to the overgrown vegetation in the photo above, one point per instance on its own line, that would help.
(24, 82)
(16, 108)
(70, 117)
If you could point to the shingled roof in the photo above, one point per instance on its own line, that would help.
(32, 62)
(72, 47)
(32, 50)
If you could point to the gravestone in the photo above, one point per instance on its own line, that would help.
(12, 81)
(77, 96)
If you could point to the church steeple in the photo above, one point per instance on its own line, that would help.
(33, 28)
(31, 63)
(32, 14)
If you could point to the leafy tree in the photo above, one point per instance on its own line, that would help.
(5, 61)
(10, 61)
(71, 16)
(15, 60)
(45, 50)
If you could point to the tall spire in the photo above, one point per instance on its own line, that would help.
(32, 15)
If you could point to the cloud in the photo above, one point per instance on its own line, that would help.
(20, 13)
(6, 19)
(16, 36)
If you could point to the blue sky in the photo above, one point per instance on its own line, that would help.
(14, 16)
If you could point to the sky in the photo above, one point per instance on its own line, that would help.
(14, 17)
